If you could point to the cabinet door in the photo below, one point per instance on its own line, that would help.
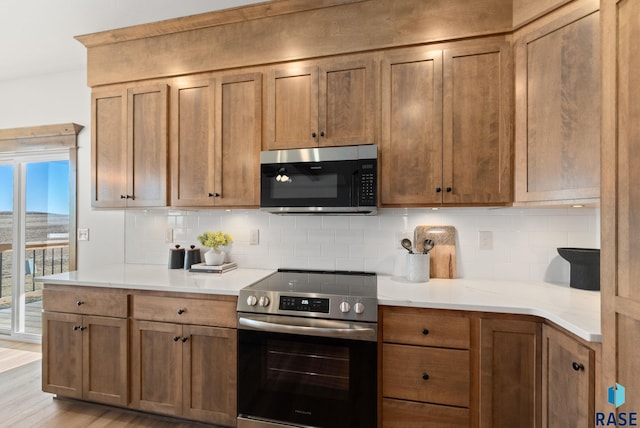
(568, 377)
(62, 354)
(192, 153)
(209, 368)
(411, 144)
(477, 128)
(238, 140)
(157, 367)
(558, 110)
(347, 103)
(108, 149)
(510, 379)
(147, 146)
(292, 108)
(105, 360)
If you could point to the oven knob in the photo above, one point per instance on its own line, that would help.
(252, 300)
(345, 307)
(358, 308)
(264, 301)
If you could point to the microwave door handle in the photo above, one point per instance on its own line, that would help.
(348, 331)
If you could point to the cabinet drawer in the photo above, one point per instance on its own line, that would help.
(86, 302)
(185, 310)
(424, 327)
(430, 375)
(409, 414)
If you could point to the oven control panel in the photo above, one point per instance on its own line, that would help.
(304, 304)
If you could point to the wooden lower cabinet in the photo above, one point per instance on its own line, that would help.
(426, 368)
(568, 381)
(183, 370)
(410, 414)
(510, 380)
(73, 357)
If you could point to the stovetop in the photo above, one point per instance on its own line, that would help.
(343, 295)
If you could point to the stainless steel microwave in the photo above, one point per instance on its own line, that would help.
(326, 180)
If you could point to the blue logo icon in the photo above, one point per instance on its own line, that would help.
(615, 395)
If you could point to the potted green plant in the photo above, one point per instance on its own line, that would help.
(216, 242)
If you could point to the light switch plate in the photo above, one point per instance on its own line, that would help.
(254, 237)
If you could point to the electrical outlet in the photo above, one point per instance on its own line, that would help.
(254, 237)
(168, 236)
(83, 234)
(485, 240)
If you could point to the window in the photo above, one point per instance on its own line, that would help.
(37, 220)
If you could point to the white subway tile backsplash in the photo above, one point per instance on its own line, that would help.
(524, 240)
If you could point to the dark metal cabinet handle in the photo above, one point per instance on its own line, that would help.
(181, 311)
(184, 339)
(213, 195)
(176, 338)
(123, 196)
(313, 135)
(76, 327)
(322, 133)
(83, 328)
(438, 189)
(577, 366)
(79, 303)
(425, 376)
(425, 331)
(449, 189)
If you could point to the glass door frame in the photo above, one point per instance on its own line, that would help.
(19, 146)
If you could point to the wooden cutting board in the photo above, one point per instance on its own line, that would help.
(443, 256)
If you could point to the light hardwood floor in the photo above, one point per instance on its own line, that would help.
(24, 405)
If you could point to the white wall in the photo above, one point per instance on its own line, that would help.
(62, 98)
(524, 240)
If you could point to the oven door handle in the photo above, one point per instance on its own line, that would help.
(311, 327)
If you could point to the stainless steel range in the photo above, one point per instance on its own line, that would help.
(307, 350)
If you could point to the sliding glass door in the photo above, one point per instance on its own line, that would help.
(34, 236)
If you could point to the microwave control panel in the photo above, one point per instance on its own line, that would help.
(304, 304)
(367, 183)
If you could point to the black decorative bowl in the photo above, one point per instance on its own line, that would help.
(585, 267)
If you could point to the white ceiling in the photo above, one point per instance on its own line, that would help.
(36, 36)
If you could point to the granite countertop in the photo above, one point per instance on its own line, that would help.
(578, 311)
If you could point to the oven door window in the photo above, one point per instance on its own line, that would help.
(305, 380)
(325, 184)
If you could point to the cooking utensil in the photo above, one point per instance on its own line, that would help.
(406, 244)
(428, 246)
(442, 257)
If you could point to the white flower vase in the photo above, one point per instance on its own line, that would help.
(227, 253)
(214, 257)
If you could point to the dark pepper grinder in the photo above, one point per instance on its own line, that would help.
(191, 257)
(176, 257)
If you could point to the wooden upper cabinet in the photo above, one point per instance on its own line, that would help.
(558, 109)
(238, 140)
(411, 143)
(130, 147)
(446, 126)
(192, 155)
(331, 103)
(108, 148)
(477, 131)
(216, 140)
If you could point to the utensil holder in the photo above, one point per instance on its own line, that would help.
(418, 267)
